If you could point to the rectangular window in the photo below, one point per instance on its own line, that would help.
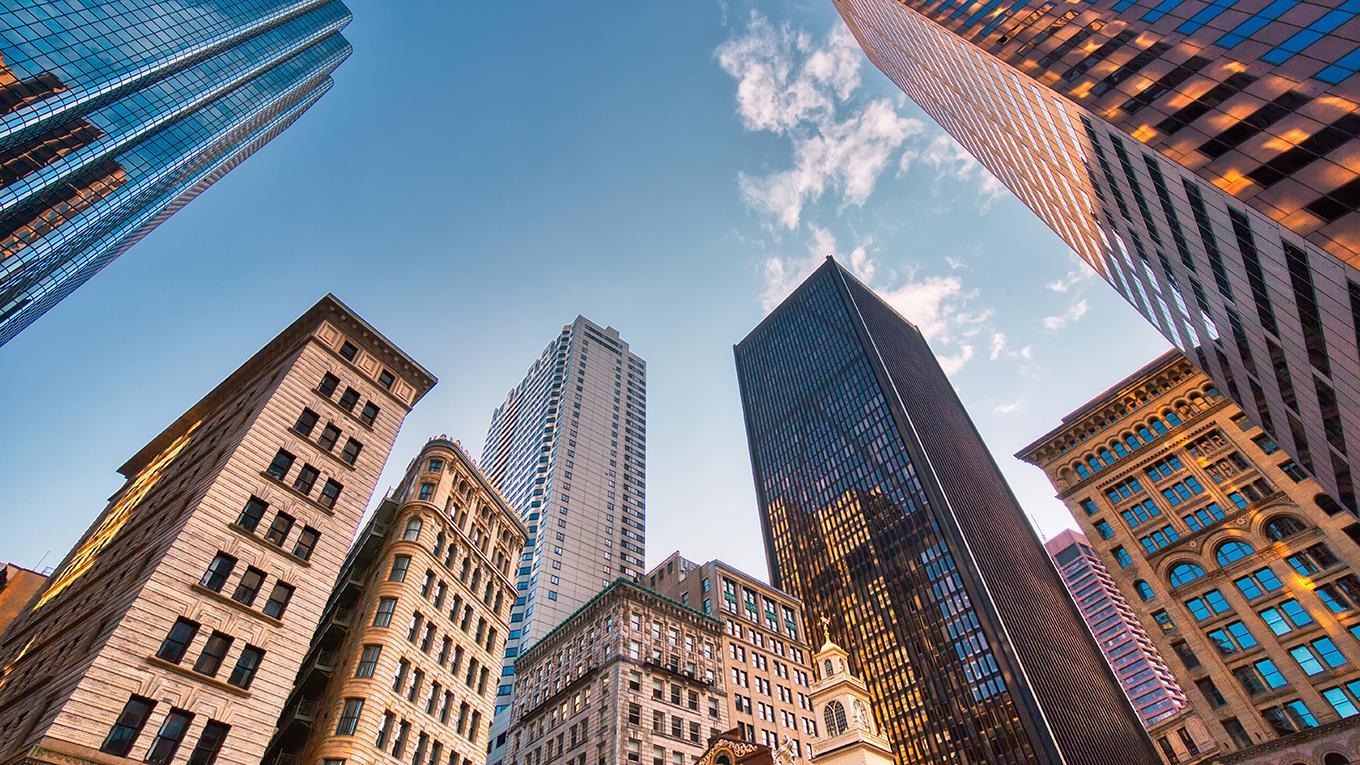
(383, 616)
(283, 462)
(329, 435)
(177, 642)
(248, 586)
(278, 600)
(1122, 557)
(214, 651)
(210, 743)
(218, 571)
(330, 493)
(168, 738)
(368, 661)
(328, 385)
(369, 413)
(128, 726)
(349, 717)
(351, 453)
(306, 479)
(306, 422)
(278, 530)
(243, 674)
(250, 516)
(400, 565)
(306, 543)
(348, 352)
(386, 378)
(348, 399)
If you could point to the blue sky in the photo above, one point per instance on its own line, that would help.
(483, 173)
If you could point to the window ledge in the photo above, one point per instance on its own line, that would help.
(156, 661)
(241, 530)
(223, 599)
(348, 414)
(282, 485)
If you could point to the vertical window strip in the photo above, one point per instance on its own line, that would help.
(1256, 278)
(1310, 320)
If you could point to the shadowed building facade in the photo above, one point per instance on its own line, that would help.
(176, 624)
(1201, 155)
(1237, 564)
(405, 661)
(115, 114)
(884, 513)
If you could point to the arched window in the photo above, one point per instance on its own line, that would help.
(1185, 573)
(1232, 551)
(723, 759)
(1283, 527)
(1172, 417)
(1106, 457)
(1145, 434)
(1120, 449)
(1326, 504)
(1132, 441)
(1158, 426)
(835, 718)
(1335, 759)
(1095, 466)
(826, 669)
(1144, 590)
(412, 530)
(439, 544)
(1083, 471)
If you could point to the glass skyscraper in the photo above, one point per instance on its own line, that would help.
(567, 449)
(1203, 156)
(116, 113)
(884, 512)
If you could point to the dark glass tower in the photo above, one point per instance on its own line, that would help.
(884, 512)
(116, 113)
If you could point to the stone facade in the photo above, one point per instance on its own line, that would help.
(176, 624)
(631, 677)
(17, 587)
(1237, 563)
(406, 658)
(849, 734)
(765, 650)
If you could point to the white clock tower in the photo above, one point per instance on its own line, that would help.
(849, 734)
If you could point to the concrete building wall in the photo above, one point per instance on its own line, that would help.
(97, 636)
(1237, 563)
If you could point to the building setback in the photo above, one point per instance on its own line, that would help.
(178, 621)
(104, 135)
(1143, 674)
(766, 656)
(1237, 563)
(1203, 156)
(883, 511)
(402, 663)
(567, 449)
(630, 677)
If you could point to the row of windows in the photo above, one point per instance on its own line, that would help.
(137, 711)
(212, 654)
(306, 479)
(367, 415)
(248, 585)
(279, 529)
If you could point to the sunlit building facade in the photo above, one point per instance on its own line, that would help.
(173, 630)
(1237, 563)
(766, 655)
(568, 449)
(1200, 155)
(884, 513)
(405, 661)
(115, 114)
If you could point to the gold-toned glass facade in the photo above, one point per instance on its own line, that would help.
(971, 648)
(1200, 155)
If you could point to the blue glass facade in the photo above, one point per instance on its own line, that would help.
(115, 113)
(883, 511)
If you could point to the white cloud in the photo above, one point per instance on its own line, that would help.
(952, 363)
(1010, 407)
(1073, 313)
(949, 160)
(999, 348)
(789, 85)
(781, 275)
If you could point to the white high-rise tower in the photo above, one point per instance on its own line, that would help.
(567, 449)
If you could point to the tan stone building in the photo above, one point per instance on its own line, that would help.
(765, 649)
(18, 585)
(631, 677)
(174, 628)
(1237, 564)
(405, 662)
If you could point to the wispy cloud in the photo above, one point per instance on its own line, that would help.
(1010, 407)
(791, 85)
(949, 160)
(1073, 313)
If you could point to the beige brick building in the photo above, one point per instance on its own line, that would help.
(174, 628)
(631, 677)
(766, 655)
(405, 662)
(1237, 564)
